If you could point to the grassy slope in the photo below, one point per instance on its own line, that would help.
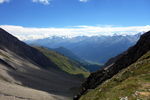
(132, 83)
(64, 63)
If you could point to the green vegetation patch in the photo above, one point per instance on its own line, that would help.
(64, 63)
(132, 83)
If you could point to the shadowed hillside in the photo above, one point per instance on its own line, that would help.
(123, 61)
(27, 74)
(132, 83)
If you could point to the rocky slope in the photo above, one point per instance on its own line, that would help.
(115, 66)
(27, 74)
(11, 43)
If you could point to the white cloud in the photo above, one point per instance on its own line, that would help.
(3, 1)
(45, 2)
(26, 33)
(83, 0)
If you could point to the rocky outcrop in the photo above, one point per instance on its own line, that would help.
(117, 64)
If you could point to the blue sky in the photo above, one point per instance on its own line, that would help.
(36, 19)
(62, 13)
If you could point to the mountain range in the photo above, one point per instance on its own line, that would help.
(95, 49)
(38, 72)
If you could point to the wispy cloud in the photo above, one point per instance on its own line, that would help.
(3, 1)
(45, 2)
(83, 0)
(29, 33)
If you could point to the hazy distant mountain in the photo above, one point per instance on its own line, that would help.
(67, 53)
(92, 67)
(95, 48)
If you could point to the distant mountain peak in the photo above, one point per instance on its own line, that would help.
(94, 48)
(96, 35)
